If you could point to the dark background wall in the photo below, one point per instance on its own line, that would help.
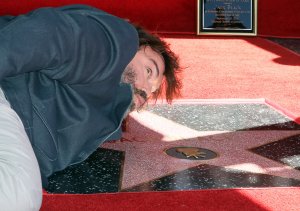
(276, 18)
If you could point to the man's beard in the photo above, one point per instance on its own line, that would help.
(129, 77)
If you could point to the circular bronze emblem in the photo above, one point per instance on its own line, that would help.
(191, 153)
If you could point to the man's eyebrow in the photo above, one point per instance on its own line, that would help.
(156, 67)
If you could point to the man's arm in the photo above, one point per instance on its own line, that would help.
(67, 46)
(39, 40)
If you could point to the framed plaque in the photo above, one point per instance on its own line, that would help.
(227, 17)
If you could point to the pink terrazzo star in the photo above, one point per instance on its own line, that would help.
(151, 135)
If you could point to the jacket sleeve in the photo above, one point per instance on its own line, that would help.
(73, 46)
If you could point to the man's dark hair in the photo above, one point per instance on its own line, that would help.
(171, 83)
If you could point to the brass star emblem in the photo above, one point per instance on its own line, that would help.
(191, 152)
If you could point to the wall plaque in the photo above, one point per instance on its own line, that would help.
(227, 17)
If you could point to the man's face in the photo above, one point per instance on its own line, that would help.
(145, 73)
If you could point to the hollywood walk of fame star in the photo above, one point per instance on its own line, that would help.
(145, 160)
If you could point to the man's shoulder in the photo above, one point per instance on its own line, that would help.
(80, 8)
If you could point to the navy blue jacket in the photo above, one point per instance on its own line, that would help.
(60, 69)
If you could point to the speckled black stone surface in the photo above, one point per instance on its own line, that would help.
(213, 177)
(227, 117)
(286, 151)
(100, 173)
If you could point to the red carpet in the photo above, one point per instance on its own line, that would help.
(281, 199)
(220, 68)
(215, 68)
(275, 17)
